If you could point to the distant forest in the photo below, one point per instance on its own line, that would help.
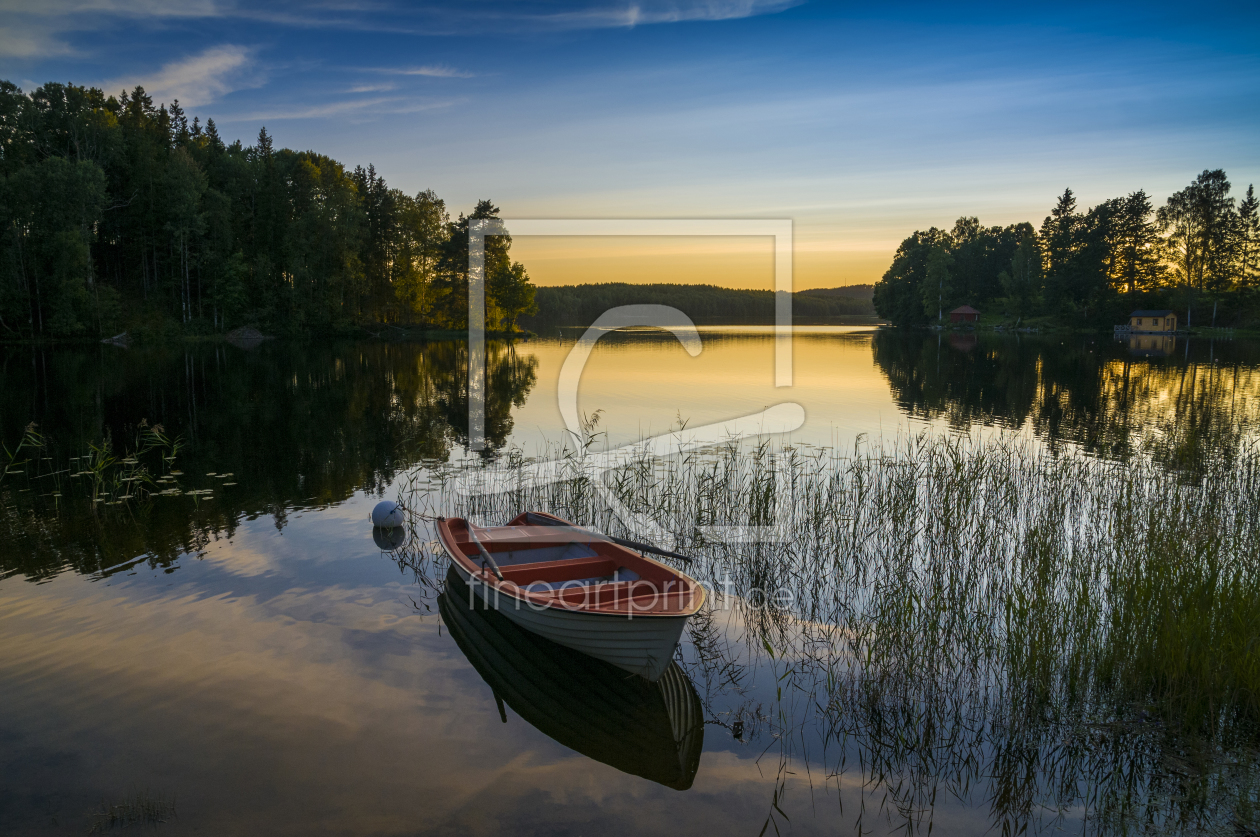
(1198, 254)
(582, 304)
(115, 214)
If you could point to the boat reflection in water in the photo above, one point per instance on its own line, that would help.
(653, 730)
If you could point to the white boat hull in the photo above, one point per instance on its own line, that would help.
(641, 644)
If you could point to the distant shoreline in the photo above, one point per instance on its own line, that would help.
(578, 305)
(548, 331)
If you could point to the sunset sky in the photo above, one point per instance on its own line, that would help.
(860, 123)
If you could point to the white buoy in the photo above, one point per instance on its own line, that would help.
(388, 515)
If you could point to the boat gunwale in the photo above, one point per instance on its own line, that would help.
(540, 603)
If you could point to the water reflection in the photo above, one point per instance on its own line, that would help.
(294, 425)
(388, 540)
(1152, 345)
(305, 425)
(1105, 395)
(653, 730)
(288, 680)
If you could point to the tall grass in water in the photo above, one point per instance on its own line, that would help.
(140, 808)
(958, 609)
(30, 442)
(101, 473)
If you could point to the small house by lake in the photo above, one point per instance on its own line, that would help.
(1153, 322)
(964, 314)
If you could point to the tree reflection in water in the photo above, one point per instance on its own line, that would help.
(1106, 396)
(294, 424)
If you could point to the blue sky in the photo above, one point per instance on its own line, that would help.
(859, 123)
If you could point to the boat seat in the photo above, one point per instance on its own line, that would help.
(621, 574)
(537, 555)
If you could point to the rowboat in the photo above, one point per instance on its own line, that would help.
(653, 730)
(576, 588)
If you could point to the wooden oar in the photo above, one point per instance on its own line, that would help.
(643, 547)
(484, 553)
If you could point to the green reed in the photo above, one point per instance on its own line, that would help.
(30, 441)
(1081, 581)
(139, 808)
(100, 472)
(959, 608)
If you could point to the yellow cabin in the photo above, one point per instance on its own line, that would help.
(1153, 322)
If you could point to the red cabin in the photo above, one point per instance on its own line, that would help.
(964, 314)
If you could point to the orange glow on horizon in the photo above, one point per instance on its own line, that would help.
(728, 261)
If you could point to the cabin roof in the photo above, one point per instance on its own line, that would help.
(964, 309)
(1145, 313)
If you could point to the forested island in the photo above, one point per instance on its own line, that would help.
(1198, 254)
(118, 215)
(581, 304)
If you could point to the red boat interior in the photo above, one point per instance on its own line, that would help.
(567, 567)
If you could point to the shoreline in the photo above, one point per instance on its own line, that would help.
(396, 334)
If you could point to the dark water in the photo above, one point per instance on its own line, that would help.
(252, 661)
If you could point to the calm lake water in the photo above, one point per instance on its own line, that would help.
(253, 659)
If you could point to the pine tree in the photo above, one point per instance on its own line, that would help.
(1249, 239)
(1137, 263)
(179, 123)
(212, 134)
(1061, 238)
(263, 147)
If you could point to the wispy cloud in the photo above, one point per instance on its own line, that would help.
(120, 8)
(33, 28)
(29, 42)
(644, 13)
(372, 88)
(198, 79)
(512, 17)
(434, 71)
(365, 108)
(311, 112)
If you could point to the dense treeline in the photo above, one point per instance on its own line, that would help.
(1198, 254)
(582, 304)
(117, 214)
